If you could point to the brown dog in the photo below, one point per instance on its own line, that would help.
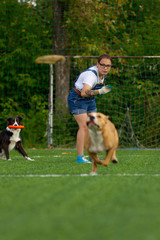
(101, 136)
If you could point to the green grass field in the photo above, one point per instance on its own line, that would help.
(55, 198)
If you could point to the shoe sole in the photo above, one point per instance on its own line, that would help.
(83, 162)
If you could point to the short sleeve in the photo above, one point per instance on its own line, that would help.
(90, 79)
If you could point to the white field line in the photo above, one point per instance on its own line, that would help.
(79, 175)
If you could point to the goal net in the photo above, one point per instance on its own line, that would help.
(133, 105)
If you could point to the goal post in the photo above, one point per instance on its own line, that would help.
(133, 105)
(50, 60)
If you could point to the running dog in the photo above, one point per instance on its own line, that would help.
(101, 136)
(10, 138)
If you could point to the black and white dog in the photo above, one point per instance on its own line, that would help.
(10, 138)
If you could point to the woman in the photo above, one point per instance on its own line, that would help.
(81, 99)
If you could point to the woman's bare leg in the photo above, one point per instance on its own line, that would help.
(81, 120)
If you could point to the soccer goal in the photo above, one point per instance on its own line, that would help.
(133, 105)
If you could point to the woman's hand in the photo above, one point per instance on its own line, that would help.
(105, 89)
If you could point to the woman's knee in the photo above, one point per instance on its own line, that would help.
(83, 127)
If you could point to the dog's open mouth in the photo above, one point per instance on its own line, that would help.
(91, 122)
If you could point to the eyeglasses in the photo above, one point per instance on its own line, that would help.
(105, 66)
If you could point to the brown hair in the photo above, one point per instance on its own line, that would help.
(104, 56)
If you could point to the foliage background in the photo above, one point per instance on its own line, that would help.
(30, 29)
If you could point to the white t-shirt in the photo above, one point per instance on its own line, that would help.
(89, 78)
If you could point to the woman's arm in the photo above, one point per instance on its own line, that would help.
(87, 92)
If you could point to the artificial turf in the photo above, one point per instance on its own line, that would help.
(56, 198)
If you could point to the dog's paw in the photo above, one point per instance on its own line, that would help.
(114, 161)
(28, 158)
(9, 159)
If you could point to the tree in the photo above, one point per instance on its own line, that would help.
(119, 27)
(62, 70)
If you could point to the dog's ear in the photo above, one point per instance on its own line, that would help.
(8, 119)
(20, 118)
(107, 118)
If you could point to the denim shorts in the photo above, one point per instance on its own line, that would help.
(79, 105)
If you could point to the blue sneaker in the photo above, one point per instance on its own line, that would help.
(90, 159)
(82, 159)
